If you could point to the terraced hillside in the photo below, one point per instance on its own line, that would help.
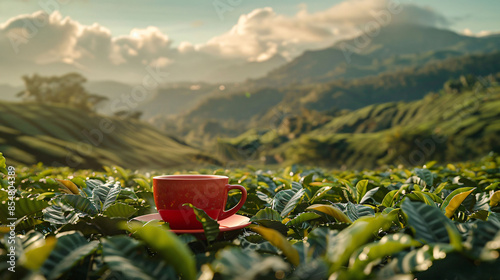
(443, 127)
(31, 133)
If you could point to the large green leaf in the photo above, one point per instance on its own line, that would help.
(168, 245)
(481, 233)
(278, 240)
(427, 221)
(361, 188)
(70, 249)
(340, 248)
(355, 211)
(234, 263)
(369, 194)
(210, 226)
(38, 253)
(454, 199)
(292, 203)
(80, 203)
(416, 260)
(387, 246)
(330, 211)
(391, 198)
(267, 214)
(105, 195)
(125, 256)
(3, 166)
(120, 210)
(426, 175)
(281, 199)
(23, 207)
(60, 215)
(301, 218)
(495, 199)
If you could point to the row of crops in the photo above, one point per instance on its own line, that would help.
(431, 222)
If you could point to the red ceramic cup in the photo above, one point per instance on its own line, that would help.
(207, 192)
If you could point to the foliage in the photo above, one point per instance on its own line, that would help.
(60, 135)
(432, 222)
(445, 127)
(66, 89)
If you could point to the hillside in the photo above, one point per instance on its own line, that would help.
(449, 126)
(59, 136)
(395, 47)
(257, 109)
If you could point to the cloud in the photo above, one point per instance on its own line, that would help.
(481, 33)
(53, 44)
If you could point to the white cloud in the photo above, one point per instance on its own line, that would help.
(53, 44)
(481, 33)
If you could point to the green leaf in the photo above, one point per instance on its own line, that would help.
(390, 198)
(143, 184)
(426, 175)
(292, 203)
(70, 249)
(3, 166)
(280, 242)
(331, 211)
(125, 256)
(38, 254)
(369, 194)
(428, 222)
(301, 218)
(56, 214)
(455, 202)
(168, 245)
(451, 195)
(234, 263)
(23, 207)
(495, 199)
(361, 188)
(481, 233)
(210, 226)
(416, 260)
(120, 210)
(281, 199)
(266, 214)
(440, 188)
(104, 195)
(387, 246)
(340, 248)
(355, 211)
(492, 187)
(422, 196)
(320, 193)
(80, 203)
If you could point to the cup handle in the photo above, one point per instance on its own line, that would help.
(232, 211)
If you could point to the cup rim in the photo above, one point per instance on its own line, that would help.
(189, 177)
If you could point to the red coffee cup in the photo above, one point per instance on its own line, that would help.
(207, 192)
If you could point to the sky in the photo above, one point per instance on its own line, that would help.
(119, 39)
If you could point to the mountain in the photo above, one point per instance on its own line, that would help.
(449, 126)
(61, 136)
(175, 98)
(260, 108)
(395, 47)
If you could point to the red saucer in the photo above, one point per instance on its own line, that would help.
(233, 222)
